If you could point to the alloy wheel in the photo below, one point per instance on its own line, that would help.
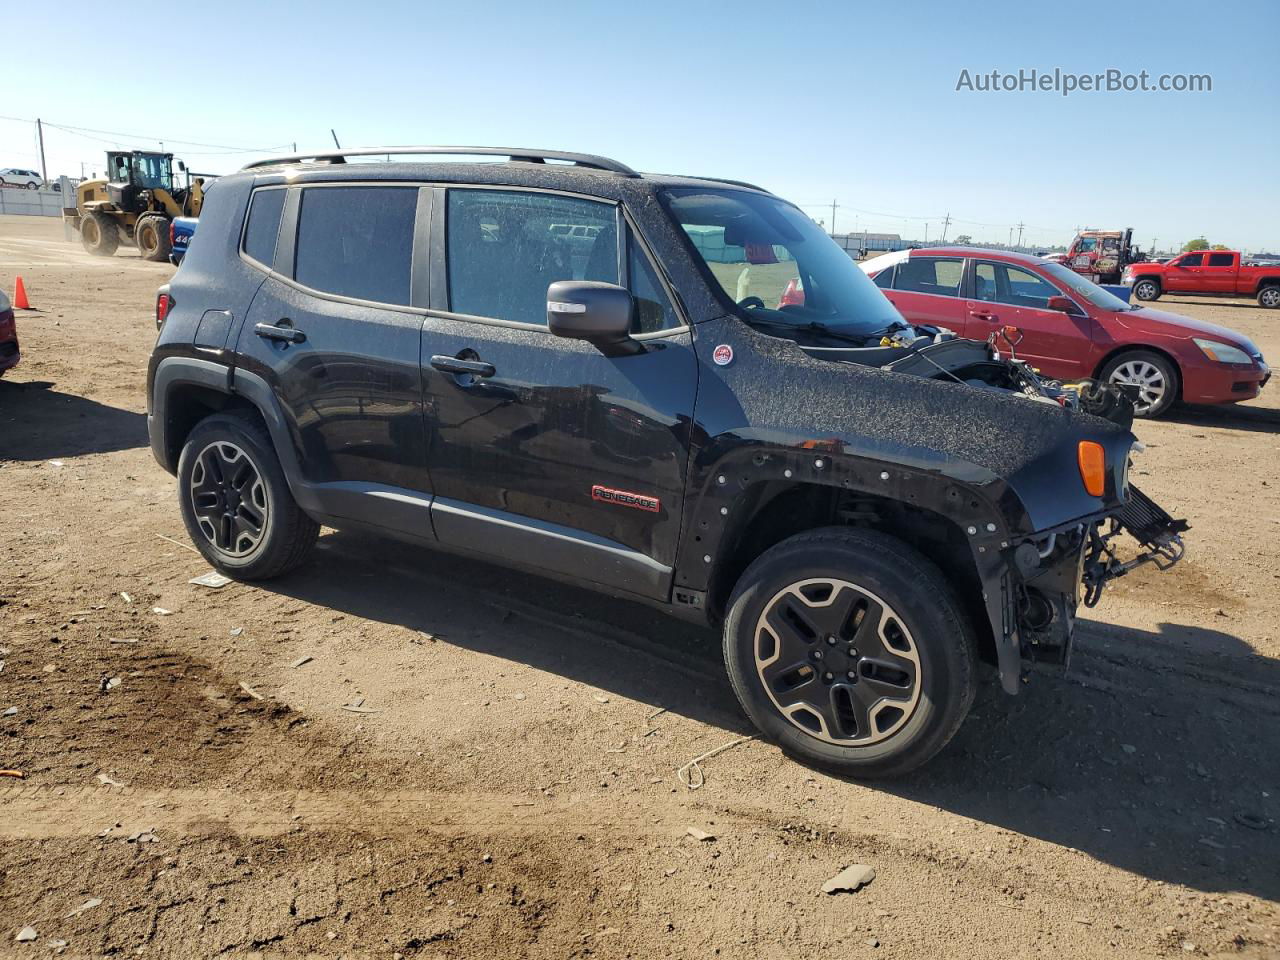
(1145, 291)
(1148, 378)
(229, 499)
(1271, 297)
(837, 661)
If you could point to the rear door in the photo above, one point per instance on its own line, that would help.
(1184, 273)
(1219, 272)
(927, 290)
(1006, 294)
(331, 333)
(549, 453)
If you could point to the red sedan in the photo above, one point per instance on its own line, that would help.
(9, 355)
(1072, 328)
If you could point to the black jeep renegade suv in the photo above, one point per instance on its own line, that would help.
(676, 390)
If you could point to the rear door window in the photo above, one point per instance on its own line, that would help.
(357, 241)
(504, 248)
(1221, 259)
(936, 275)
(263, 226)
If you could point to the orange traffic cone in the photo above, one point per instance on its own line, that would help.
(20, 301)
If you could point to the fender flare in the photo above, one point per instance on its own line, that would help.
(979, 503)
(174, 372)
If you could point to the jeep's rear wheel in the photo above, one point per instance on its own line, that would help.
(236, 503)
(850, 651)
(99, 234)
(1146, 290)
(151, 233)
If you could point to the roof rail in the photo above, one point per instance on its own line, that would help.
(520, 154)
(735, 183)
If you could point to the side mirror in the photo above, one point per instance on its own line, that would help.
(182, 167)
(1063, 304)
(599, 313)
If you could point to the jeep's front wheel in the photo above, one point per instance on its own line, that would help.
(236, 503)
(851, 651)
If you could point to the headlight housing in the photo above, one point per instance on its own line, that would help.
(1221, 352)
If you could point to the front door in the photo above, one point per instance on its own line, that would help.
(330, 333)
(1058, 343)
(543, 450)
(1184, 273)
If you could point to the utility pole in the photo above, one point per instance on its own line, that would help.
(833, 217)
(946, 222)
(1010, 243)
(926, 234)
(295, 146)
(1020, 226)
(44, 171)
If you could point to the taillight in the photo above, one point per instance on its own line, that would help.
(172, 232)
(1093, 467)
(164, 303)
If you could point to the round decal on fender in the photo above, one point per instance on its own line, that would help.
(723, 355)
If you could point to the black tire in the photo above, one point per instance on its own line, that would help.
(99, 234)
(1144, 288)
(911, 594)
(1120, 369)
(151, 234)
(1269, 296)
(287, 535)
(33, 186)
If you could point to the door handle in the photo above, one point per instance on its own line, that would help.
(477, 368)
(273, 331)
(984, 315)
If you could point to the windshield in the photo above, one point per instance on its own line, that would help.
(777, 265)
(1084, 287)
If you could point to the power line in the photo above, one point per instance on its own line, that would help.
(87, 131)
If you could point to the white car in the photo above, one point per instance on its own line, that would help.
(14, 177)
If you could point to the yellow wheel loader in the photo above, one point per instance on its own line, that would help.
(135, 202)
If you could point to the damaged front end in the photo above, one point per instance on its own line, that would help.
(1033, 594)
(993, 364)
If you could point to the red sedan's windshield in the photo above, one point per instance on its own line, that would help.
(1084, 287)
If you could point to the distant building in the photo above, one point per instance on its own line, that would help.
(855, 243)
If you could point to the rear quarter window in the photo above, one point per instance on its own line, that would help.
(263, 226)
(357, 241)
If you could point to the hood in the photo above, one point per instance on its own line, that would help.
(1176, 325)
(775, 393)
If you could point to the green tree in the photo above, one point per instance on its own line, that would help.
(964, 240)
(1219, 246)
(1199, 243)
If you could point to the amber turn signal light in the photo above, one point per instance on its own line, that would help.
(1093, 467)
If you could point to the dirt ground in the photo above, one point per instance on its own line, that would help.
(507, 785)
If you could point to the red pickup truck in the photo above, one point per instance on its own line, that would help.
(1210, 272)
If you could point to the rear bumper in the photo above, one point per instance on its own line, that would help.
(10, 355)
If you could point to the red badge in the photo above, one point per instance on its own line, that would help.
(723, 355)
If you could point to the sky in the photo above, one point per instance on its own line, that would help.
(846, 101)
